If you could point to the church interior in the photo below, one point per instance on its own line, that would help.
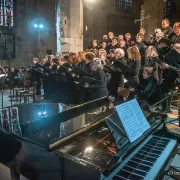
(89, 89)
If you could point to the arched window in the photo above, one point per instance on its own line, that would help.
(125, 5)
(168, 8)
(6, 13)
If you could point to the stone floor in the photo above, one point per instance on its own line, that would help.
(5, 101)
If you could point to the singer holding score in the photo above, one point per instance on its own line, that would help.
(98, 89)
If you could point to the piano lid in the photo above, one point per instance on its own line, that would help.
(97, 145)
(49, 129)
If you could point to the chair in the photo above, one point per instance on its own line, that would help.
(28, 95)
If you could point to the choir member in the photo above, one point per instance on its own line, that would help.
(117, 78)
(105, 38)
(122, 45)
(81, 59)
(147, 91)
(129, 41)
(36, 76)
(151, 60)
(110, 37)
(98, 89)
(177, 47)
(134, 63)
(176, 28)
(141, 46)
(114, 45)
(162, 47)
(120, 38)
(94, 45)
(88, 59)
(167, 29)
(104, 46)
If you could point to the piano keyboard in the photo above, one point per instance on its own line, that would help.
(146, 161)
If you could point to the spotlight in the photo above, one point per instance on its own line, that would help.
(44, 113)
(41, 26)
(35, 25)
(39, 113)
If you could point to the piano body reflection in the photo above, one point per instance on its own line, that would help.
(100, 150)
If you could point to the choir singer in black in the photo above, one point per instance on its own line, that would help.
(98, 89)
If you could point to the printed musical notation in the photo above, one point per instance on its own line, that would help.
(132, 119)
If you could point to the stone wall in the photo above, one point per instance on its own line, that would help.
(72, 40)
(26, 36)
(106, 18)
(155, 9)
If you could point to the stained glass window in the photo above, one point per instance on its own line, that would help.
(126, 5)
(6, 13)
(167, 8)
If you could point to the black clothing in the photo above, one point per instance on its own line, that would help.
(87, 68)
(151, 62)
(148, 90)
(168, 32)
(99, 89)
(176, 39)
(37, 78)
(142, 48)
(117, 79)
(82, 65)
(132, 74)
(162, 48)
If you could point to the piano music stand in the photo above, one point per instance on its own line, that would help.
(116, 130)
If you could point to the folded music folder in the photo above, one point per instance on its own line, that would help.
(87, 80)
(79, 72)
(119, 64)
(166, 41)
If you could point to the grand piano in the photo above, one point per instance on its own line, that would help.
(99, 150)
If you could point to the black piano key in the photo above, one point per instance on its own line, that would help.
(144, 168)
(132, 164)
(146, 149)
(144, 152)
(130, 169)
(135, 177)
(149, 154)
(140, 156)
(150, 159)
(117, 178)
(124, 174)
(154, 147)
(161, 145)
(165, 140)
(134, 171)
(156, 152)
(142, 162)
(152, 143)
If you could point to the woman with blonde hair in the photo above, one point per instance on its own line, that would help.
(134, 63)
(176, 29)
(81, 59)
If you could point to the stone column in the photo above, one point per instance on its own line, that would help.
(155, 9)
(72, 39)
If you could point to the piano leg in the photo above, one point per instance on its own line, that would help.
(14, 175)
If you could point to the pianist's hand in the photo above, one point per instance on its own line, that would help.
(73, 75)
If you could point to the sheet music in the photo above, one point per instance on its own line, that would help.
(132, 119)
